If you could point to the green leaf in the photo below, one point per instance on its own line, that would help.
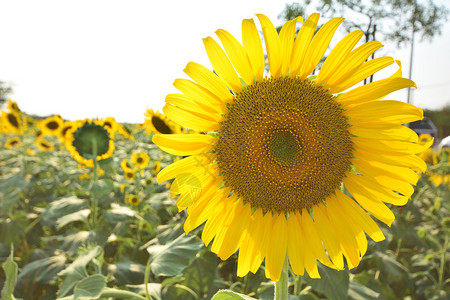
(119, 213)
(62, 207)
(332, 283)
(90, 287)
(76, 271)
(201, 274)
(154, 289)
(358, 291)
(126, 272)
(174, 257)
(10, 268)
(80, 215)
(42, 270)
(230, 295)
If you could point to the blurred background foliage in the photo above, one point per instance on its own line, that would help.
(50, 248)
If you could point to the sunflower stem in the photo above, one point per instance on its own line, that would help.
(281, 286)
(91, 185)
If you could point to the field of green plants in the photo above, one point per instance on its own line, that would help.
(68, 231)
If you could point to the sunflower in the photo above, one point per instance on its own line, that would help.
(126, 167)
(13, 142)
(11, 122)
(158, 123)
(268, 177)
(12, 106)
(111, 123)
(439, 172)
(140, 159)
(156, 168)
(51, 125)
(89, 140)
(129, 175)
(66, 126)
(44, 145)
(133, 199)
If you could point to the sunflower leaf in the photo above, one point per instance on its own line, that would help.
(172, 258)
(230, 295)
(10, 268)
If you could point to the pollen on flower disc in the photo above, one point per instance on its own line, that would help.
(284, 145)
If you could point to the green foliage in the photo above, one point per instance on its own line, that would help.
(142, 252)
(441, 119)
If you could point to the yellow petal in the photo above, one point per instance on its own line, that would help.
(386, 111)
(250, 245)
(377, 208)
(287, 35)
(214, 223)
(353, 61)
(203, 208)
(296, 249)
(189, 119)
(221, 64)
(233, 229)
(184, 144)
(273, 45)
(338, 54)
(188, 104)
(209, 81)
(374, 91)
(264, 228)
(360, 217)
(327, 235)
(409, 161)
(237, 55)
(276, 251)
(395, 133)
(401, 173)
(319, 45)
(365, 70)
(200, 95)
(377, 191)
(252, 44)
(390, 147)
(186, 165)
(301, 44)
(191, 185)
(345, 232)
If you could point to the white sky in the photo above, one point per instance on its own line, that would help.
(87, 59)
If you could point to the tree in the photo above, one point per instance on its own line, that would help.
(397, 20)
(5, 90)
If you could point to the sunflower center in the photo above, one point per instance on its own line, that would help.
(89, 134)
(139, 160)
(284, 145)
(52, 125)
(13, 120)
(160, 125)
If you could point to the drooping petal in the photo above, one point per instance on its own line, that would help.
(277, 251)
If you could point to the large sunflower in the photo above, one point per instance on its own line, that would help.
(269, 178)
(89, 140)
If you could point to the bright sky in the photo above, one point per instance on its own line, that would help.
(86, 59)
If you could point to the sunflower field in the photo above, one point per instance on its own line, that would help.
(263, 179)
(69, 231)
